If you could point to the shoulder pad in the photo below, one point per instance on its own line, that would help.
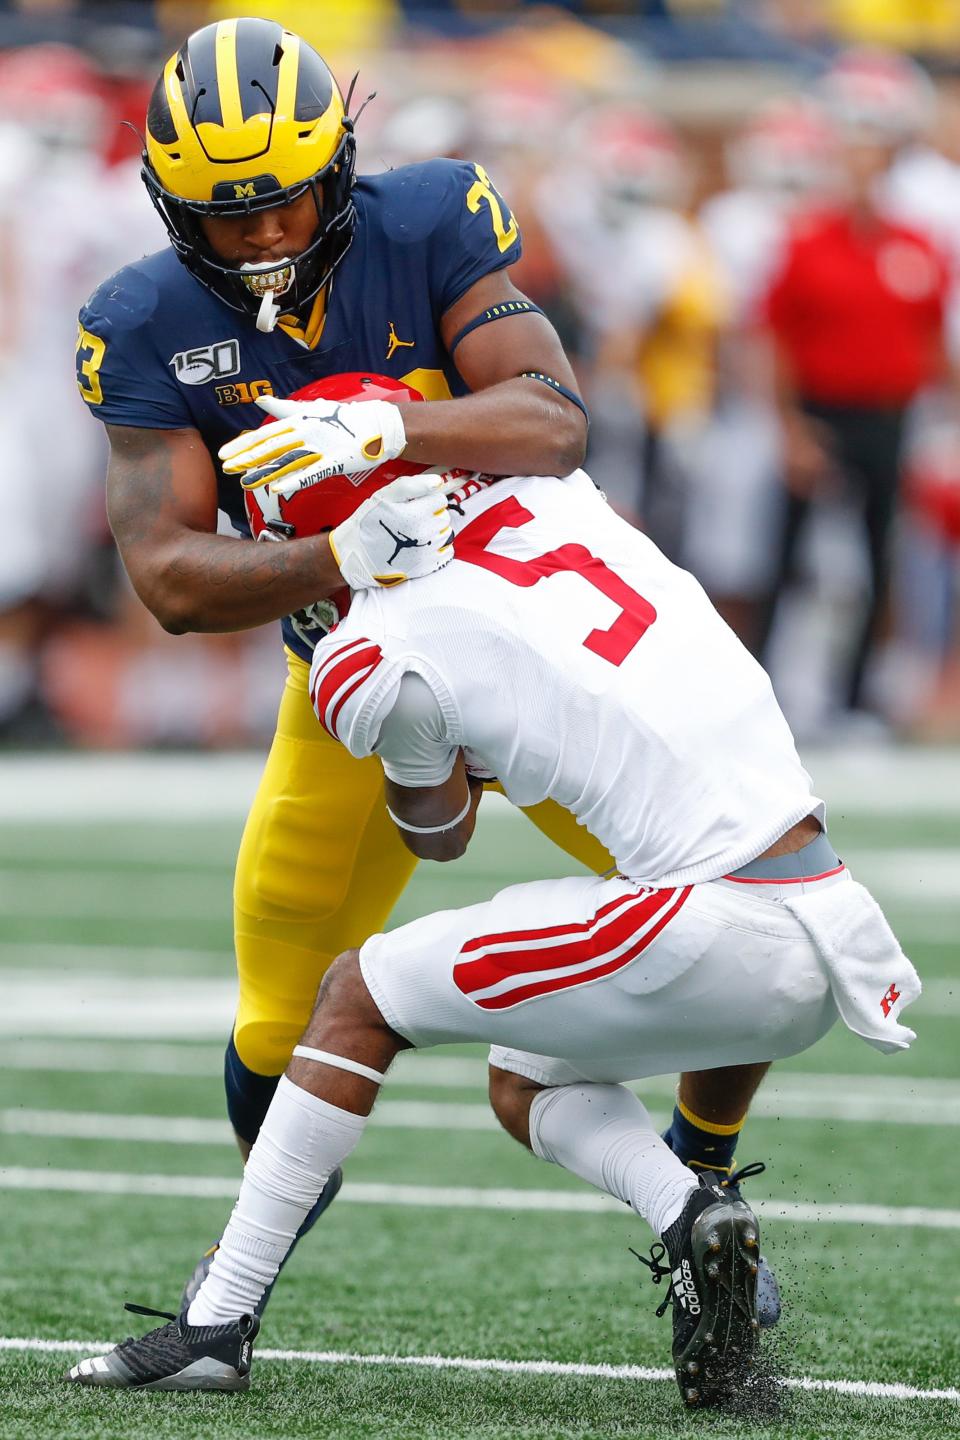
(413, 200)
(131, 297)
(121, 372)
(349, 680)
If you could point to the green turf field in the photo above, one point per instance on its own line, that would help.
(448, 1241)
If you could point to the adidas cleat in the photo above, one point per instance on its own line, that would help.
(713, 1253)
(202, 1268)
(176, 1356)
(769, 1306)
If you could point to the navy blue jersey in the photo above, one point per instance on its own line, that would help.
(157, 350)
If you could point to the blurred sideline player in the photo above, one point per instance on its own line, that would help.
(650, 294)
(857, 313)
(52, 163)
(546, 653)
(777, 163)
(285, 267)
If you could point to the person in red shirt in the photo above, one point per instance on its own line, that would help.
(856, 313)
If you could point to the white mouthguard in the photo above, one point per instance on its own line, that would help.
(266, 284)
(268, 314)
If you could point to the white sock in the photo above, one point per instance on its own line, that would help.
(301, 1142)
(603, 1134)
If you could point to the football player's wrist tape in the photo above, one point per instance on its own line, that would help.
(433, 829)
(503, 311)
(339, 1062)
(563, 390)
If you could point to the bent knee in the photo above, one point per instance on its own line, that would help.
(341, 976)
(346, 1019)
(344, 990)
(511, 1096)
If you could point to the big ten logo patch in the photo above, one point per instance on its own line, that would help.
(244, 392)
(207, 362)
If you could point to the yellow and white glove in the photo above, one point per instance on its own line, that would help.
(400, 533)
(310, 440)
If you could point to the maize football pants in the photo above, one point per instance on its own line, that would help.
(320, 868)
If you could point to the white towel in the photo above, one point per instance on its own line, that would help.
(871, 978)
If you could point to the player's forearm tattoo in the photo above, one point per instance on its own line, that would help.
(162, 509)
(139, 486)
(220, 562)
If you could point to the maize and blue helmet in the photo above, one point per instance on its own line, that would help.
(246, 116)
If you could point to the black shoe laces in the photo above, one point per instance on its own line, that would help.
(163, 1346)
(746, 1172)
(658, 1271)
(146, 1310)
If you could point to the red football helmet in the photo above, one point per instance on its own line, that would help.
(635, 156)
(330, 501)
(326, 504)
(56, 94)
(785, 148)
(877, 95)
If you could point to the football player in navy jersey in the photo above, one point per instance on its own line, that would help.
(284, 267)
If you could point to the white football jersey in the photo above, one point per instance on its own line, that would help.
(576, 663)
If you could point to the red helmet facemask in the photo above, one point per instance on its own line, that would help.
(328, 503)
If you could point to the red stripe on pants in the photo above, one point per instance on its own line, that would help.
(537, 988)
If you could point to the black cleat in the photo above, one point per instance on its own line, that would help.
(176, 1356)
(769, 1305)
(713, 1251)
(202, 1268)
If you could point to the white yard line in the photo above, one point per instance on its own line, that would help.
(441, 1072)
(38, 788)
(893, 1099)
(136, 962)
(188, 1130)
(127, 960)
(111, 894)
(41, 788)
(104, 1058)
(74, 1003)
(784, 1099)
(66, 1002)
(925, 877)
(448, 1197)
(874, 1389)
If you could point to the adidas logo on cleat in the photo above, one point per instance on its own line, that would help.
(685, 1289)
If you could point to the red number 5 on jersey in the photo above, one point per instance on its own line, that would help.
(613, 644)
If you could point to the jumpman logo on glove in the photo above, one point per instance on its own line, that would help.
(334, 419)
(401, 542)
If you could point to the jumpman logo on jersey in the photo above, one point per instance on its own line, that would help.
(402, 542)
(395, 343)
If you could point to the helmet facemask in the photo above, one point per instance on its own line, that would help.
(246, 116)
(304, 275)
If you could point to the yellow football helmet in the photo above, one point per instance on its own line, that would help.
(246, 116)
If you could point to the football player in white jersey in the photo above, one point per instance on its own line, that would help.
(561, 652)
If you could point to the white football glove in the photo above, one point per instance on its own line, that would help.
(400, 533)
(310, 440)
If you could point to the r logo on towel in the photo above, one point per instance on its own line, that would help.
(889, 1000)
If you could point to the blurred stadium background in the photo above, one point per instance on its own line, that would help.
(668, 162)
(659, 157)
